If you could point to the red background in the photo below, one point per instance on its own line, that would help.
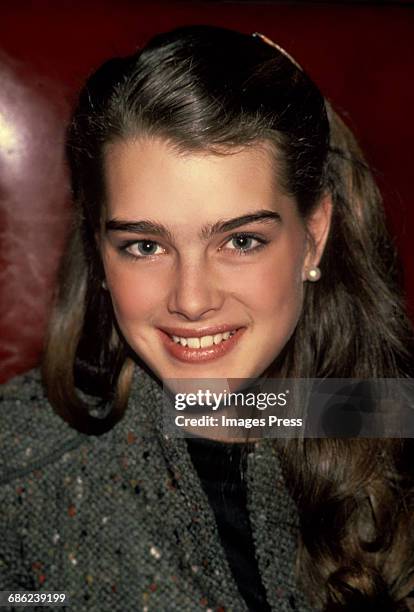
(361, 56)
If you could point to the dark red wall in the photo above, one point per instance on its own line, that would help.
(360, 55)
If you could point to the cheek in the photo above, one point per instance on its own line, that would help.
(274, 288)
(135, 292)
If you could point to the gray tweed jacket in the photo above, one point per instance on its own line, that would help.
(120, 521)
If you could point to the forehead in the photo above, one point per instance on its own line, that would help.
(148, 177)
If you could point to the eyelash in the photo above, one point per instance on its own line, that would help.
(262, 243)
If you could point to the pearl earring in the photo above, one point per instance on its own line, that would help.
(104, 285)
(313, 274)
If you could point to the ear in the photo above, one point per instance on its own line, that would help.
(317, 226)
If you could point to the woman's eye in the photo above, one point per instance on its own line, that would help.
(238, 244)
(143, 248)
(245, 243)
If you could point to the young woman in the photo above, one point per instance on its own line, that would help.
(226, 226)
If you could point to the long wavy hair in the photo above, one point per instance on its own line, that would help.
(211, 89)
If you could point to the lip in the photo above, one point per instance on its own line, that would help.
(189, 355)
(198, 333)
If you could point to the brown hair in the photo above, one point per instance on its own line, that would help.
(207, 88)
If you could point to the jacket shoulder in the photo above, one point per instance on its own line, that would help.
(31, 432)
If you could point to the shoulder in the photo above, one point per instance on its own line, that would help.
(22, 385)
(31, 433)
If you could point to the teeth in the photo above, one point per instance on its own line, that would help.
(204, 341)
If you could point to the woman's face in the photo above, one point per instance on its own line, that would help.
(196, 246)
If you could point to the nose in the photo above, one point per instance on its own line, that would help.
(195, 291)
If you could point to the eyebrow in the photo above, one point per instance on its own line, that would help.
(206, 232)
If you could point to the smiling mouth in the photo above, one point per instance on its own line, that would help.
(198, 349)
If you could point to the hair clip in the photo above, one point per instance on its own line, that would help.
(279, 48)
